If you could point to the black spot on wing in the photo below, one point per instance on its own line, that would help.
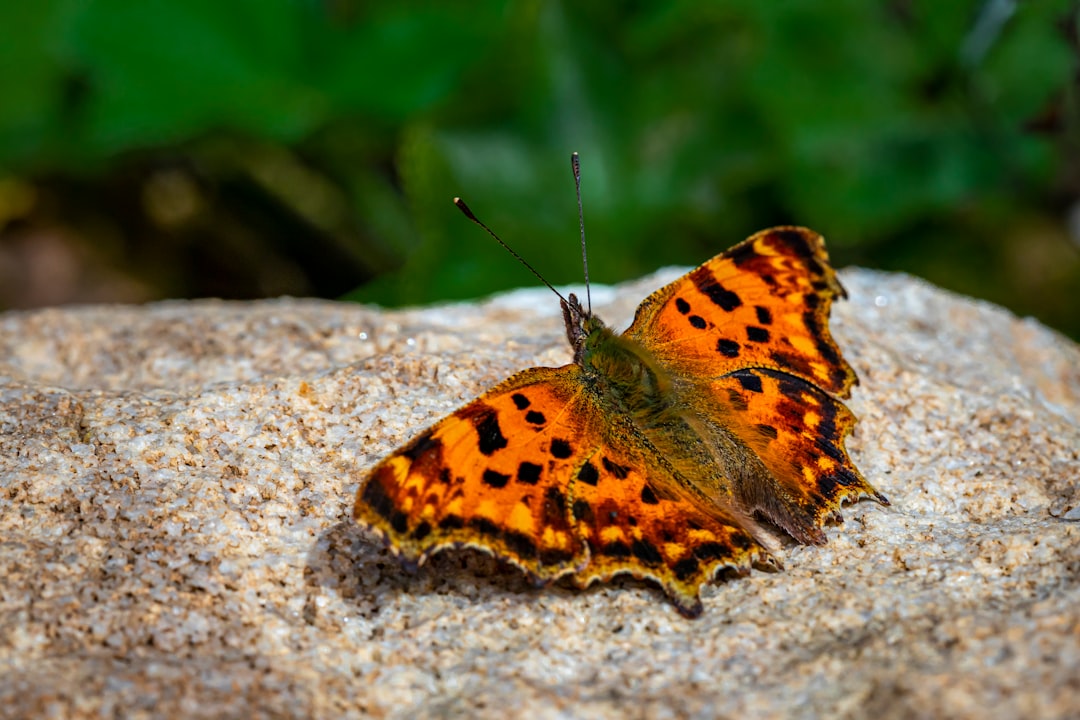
(767, 430)
(451, 522)
(422, 530)
(763, 315)
(757, 334)
(375, 497)
(797, 242)
(827, 485)
(685, 568)
(741, 541)
(847, 478)
(485, 526)
(615, 550)
(520, 401)
(535, 418)
(588, 474)
(648, 496)
(555, 556)
(619, 471)
(742, 252)
(399, 521)
(711, 551)
(830, 450)
(789, 386)
(646, 552)
(707, 285)
(519, 544)
(583, 511)
(554, 510)
(682, 306)
(728, 348)
(748, 380)
(421, 445)
(698, 322)
(486, 421)
(816, 329)
(528, 473)
(495, 479)
(827, 426)
(561, 449)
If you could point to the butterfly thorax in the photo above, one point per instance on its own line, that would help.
(623, 373)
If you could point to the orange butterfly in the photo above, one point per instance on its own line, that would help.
(655, 452)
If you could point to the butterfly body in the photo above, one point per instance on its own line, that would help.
(620, 373)
(655, 452)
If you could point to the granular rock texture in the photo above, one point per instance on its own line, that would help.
(176, 481)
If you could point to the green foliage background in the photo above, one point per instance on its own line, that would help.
(255, 147)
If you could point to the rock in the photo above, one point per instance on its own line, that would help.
(176, 480)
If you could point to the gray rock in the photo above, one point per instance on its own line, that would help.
(176, 479)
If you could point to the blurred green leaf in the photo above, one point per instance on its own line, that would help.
(394, 61)
(163, 71)
(34, 90)
(913, 134)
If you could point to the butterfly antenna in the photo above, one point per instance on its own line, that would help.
(469, 214)
(575, 164)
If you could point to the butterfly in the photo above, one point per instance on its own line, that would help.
(659, 453)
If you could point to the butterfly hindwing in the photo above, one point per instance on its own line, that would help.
(634, 525)
(798, 432)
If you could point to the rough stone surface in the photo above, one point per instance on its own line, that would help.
(175, 485)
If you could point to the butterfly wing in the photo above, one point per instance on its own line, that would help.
(747, 335)
(545, 472)
(495, 475)
(633, 525)
(764, 303)
(798, 432)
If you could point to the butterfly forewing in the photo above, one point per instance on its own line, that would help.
(747, 335)
(494, 475)
(762, 304)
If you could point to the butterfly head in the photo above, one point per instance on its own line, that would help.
(582, 327)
